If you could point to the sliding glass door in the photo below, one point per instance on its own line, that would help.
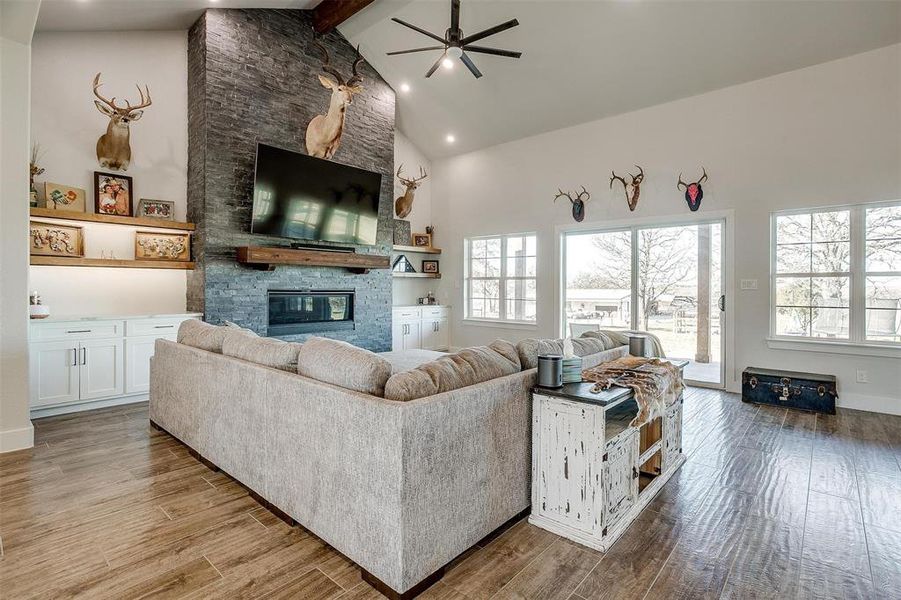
(667, 280)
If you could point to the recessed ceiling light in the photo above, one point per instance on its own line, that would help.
(450, 138)
(405, 87)
(447, 63)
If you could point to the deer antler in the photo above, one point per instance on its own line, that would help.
(637, 178)
(585, 192)
(145, 100)
(356, 78)
(562, 194)
(616, 177)
(407, 180)
(326, 66)
(109, 102)
(681, 183)
(704, 177)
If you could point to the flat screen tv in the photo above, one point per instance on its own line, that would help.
(306, 198)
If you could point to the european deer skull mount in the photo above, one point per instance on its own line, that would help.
(578, 202)
(694, 193)
(113, 147)
(404, 204)
(632, 190)
(324, 131)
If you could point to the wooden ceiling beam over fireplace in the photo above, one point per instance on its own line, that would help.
(331, 13)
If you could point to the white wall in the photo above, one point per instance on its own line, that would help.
(407, 291)
(66, 124)
(824, 135)
(17, 20)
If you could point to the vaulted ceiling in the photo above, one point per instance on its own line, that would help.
(582, 60)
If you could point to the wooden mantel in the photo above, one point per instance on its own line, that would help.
(268, 258)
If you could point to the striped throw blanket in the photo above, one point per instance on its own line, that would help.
(656, 384)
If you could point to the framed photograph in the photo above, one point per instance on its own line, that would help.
(113, 194)
(422, 240)
(430, 266)
(162, 246)
(53, 239)
(156, 209)
(64, 197)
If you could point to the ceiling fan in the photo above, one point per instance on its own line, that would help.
(456, 45)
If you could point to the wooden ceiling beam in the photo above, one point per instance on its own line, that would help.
(328, 14)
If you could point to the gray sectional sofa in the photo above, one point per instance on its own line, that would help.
(399, 487)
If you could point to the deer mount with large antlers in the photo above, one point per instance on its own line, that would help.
(324, 131)
(632, 189)
(114, 147)
(404, 204)
(694, 193)
(578, 203)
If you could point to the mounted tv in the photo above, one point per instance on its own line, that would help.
(306, 198)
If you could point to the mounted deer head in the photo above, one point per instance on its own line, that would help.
(578, 202)
(113, 147)
(632, 190)
(324, 131)
(404, 204)
(694, 193)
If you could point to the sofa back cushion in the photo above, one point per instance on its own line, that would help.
(464, 368)
(268, 352)
(344, 365)
(529, 349)
(197, 334)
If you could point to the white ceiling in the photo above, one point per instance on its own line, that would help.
(124, 15)
(582, 59)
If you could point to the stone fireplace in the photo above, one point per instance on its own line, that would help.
(253, 77)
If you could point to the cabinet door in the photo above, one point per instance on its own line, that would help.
(428, 334)
(441, 339)
(672, 436)
(413, 338)
(138, 352)
(398, 331)
(621, 478)
(53, 373)
(101, 369)
(569, 463)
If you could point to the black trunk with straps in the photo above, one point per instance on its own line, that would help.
(805, 391)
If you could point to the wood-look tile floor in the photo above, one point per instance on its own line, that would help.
(770, 504)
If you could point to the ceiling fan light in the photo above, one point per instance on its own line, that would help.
(447, 63)
(455, 52)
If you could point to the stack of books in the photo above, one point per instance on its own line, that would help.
(572, 370)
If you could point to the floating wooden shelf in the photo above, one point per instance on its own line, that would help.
(62, 261)
(68, 215)
(418, 275)
(269, 258)
(419, 249)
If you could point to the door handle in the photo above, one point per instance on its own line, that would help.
(74, 357)
(78, 331)
(163, 326)
(84, 356)
(722, 302)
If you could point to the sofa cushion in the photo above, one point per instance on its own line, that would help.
(464, 368)
(197, 334)
(404, 360)
(529, 349)
(344, 365)
(268, 352)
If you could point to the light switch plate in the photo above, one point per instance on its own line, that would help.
(749, 284)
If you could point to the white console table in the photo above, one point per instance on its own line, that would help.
(592, 473)
(80, 363)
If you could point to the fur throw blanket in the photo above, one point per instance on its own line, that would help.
(655, 383)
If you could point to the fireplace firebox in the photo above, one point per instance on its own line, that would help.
(308, 311)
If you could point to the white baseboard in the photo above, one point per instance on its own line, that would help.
(62, 409)
(17, 439)
(878, 404)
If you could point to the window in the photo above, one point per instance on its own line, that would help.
(501, 274)
(837, 274)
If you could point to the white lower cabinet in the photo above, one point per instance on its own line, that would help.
(420, 327)
(80, 362)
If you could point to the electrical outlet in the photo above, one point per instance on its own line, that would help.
(749, 284)
(863, 376)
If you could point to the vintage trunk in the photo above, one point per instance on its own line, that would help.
(805, 391)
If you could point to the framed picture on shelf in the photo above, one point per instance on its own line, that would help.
(64, 197)
(430, 266)
(422, 240)
(113, 194)
(53, 239)
(156, 209)
(162, 246)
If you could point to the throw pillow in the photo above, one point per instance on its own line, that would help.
(268, 352)
(344, 365)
